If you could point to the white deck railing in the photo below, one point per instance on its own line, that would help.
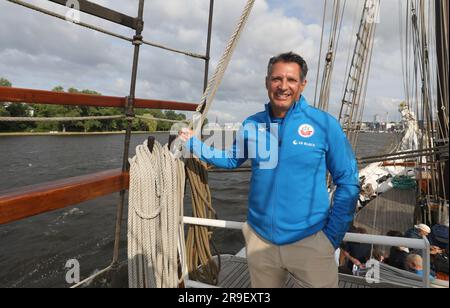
(422, 244)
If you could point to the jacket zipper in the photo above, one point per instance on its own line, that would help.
(280, 144)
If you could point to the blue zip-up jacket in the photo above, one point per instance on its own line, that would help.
(289, 200)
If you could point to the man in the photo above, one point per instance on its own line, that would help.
(397, 254)
(418, 232)
(291, 227)
(414, 263)
(357, 253)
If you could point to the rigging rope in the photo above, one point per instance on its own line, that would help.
(59, 119)
(155, 218)
(216, 79)
(335, 31)
(101, 30)
(71, 119)
(63, 17)
(320, 51)
(159, 120)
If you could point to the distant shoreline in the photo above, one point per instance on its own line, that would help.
(25, 134)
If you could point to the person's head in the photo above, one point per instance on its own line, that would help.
(394, 233)
(353, 229)
(414, 262)
(285, 81)
(423, 229)
(361, 230)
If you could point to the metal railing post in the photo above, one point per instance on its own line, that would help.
(426, 263)
(137, 41)
(208, 44)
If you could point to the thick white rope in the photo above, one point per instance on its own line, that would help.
(155, 215)
(216, 79)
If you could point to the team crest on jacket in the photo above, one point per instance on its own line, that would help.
(306, 131)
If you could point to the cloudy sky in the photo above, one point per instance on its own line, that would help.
(38, 51)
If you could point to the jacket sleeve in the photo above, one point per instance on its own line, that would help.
(342, 165)
(231, 158)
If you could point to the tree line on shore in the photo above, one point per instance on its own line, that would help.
(46, 111)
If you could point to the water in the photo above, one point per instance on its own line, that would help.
(34, 251)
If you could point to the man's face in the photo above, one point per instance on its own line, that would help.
(284, 86)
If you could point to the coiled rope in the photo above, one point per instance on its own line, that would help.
(155, 218)
(200, 262)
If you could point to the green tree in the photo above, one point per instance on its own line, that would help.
(151, 124)
(5, 82)
(39, 110)
(18, 110)
(3, 111)
(4, 126)
(90, 92)
(13, 110)
(58, 89)
(93, 126)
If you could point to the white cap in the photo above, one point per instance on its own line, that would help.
(423, 227)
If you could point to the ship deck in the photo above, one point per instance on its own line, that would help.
(235, 274)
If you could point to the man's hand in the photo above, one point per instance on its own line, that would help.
(435, 250)
(185, 134)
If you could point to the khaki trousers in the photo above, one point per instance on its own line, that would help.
(310, 261)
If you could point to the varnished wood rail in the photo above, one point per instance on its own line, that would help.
(28, 201)
(17, 95)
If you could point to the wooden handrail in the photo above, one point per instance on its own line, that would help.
(37, 199)
(17, 95)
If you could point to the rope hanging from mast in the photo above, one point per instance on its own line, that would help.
(335, 31)
(216, 79)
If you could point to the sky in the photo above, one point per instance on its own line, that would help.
(40, 52)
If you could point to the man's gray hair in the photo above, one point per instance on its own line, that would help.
(289, 57)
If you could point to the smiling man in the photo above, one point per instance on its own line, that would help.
(292, 227)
